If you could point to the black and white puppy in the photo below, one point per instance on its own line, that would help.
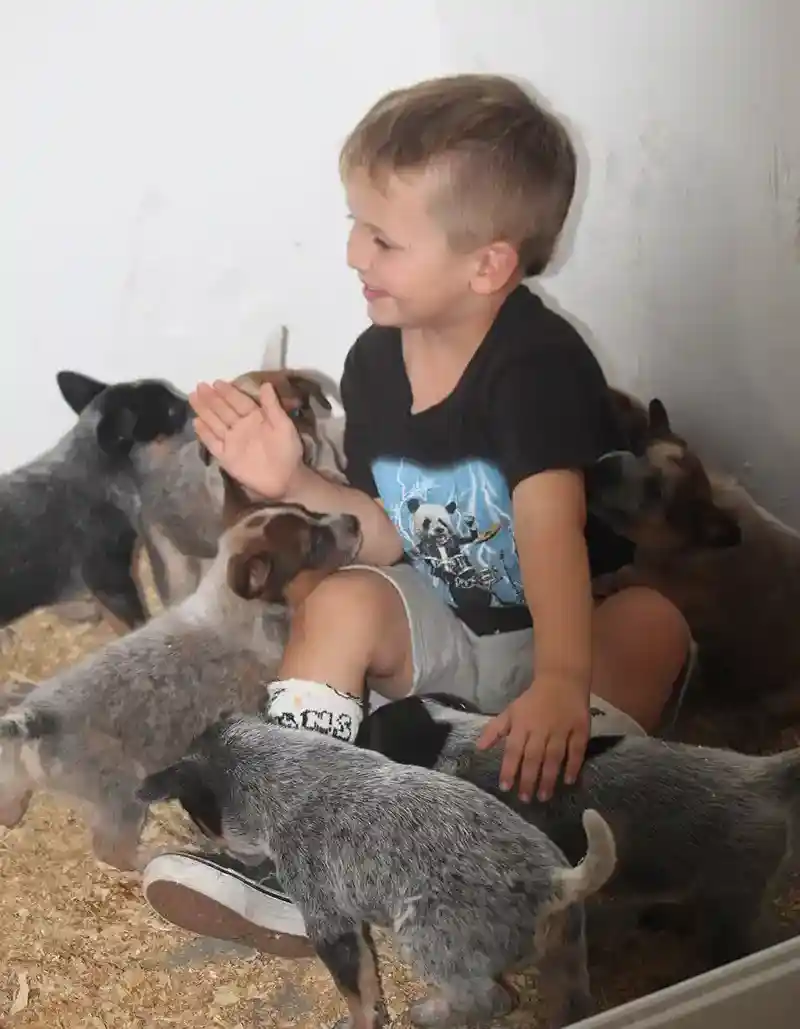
(705, 828)
(65, 528)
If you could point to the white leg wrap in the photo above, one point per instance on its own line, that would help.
(302, 704)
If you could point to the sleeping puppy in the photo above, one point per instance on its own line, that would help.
(468, 889)
(67, 519)
(705, 828)
(94, 729)
(730, 567)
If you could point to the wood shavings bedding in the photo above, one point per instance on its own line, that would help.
(80, 948)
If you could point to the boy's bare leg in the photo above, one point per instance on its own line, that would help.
(641, 643)
(353, 623)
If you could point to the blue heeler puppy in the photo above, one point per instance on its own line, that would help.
(467, 888)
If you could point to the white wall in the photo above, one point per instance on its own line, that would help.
(169, 186)
(169, 194)
(685, 262)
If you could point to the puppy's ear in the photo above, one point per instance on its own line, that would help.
(719, 529)
(78, 390)
(116, 431)
(309, 388)
(184, 782)
(404, 732)
(167, 784)
(658, 418)
(249, 575)
(276, 351)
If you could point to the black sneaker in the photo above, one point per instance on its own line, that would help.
(215, 895)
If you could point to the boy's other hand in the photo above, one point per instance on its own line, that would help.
(258, 445)
(544, 728)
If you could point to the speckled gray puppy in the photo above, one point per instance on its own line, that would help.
(468, 889)
(95, 729)
(710, 830)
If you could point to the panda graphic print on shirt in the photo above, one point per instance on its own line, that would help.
(532, 399)
(456, 527)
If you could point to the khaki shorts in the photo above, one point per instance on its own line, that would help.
(490, 671)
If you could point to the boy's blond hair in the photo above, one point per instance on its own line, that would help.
(508, 166)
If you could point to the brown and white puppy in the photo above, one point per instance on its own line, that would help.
(304, 396)
(662, 498)
(732, 568)
(93, 730)
(180, 517)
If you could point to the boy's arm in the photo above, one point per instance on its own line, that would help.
(549, 519)
(381, 542)
(552, 419)
(553, 720)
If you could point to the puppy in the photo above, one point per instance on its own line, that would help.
(136, 704)
(708, 829)
(731, 567)
(468, 889)
(180, 518)
(67, 519)
(170, 495)
(303, 398)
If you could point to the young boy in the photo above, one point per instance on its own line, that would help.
(472, 411)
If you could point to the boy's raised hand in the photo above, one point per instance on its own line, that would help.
(258, 445)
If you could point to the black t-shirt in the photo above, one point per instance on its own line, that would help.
(532, 398)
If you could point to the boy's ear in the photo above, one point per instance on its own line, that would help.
(497, 264)
(78, 390)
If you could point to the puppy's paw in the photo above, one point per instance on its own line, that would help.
(380, 1020)
(433, 1012)
(480, 1008)
(13, 809)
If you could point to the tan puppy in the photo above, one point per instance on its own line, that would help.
(732, 568)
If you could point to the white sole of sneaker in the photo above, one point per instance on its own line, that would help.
(209, 902)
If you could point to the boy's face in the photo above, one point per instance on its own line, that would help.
(412, 278)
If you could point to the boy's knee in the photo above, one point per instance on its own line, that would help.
(649, 616)
(665, 619)
(354, 599)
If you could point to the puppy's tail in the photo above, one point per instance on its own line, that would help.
(597, 867)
